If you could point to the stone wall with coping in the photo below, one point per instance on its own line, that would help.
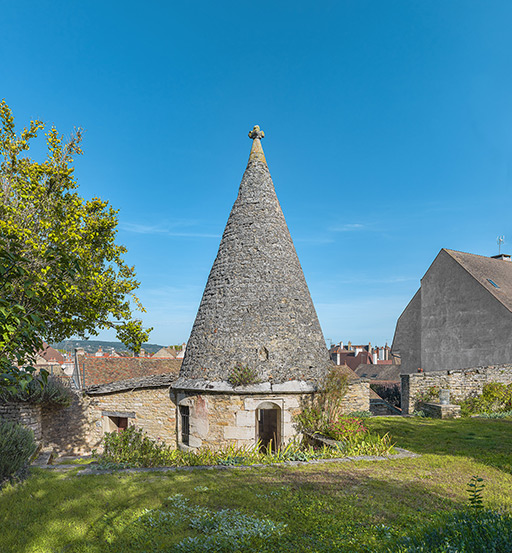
(80, 428)
(26, 414)
(357, 397)
(462, 383)
(69, 430)
(153, 410)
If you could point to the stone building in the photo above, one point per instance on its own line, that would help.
(256, 350)
(460, 317)
(255, 355)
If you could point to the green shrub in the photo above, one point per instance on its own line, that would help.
(226, 531)
(501, 415)
(242, 375)
(429, 395)
(495, 398)
(326, 406)
(323, 414)
(17, 446)
(37, 391)
(472, 531)
(133, 448)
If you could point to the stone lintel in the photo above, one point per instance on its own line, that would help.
(124, 414)
(224, 387)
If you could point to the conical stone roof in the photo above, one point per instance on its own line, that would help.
(256, 309)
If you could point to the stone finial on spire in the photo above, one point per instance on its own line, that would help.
(256, 133)
(256, 151)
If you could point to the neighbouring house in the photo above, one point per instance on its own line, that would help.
(460, 317)
(165, 353)
(380, 374)
(181, 353)
(49, 356)
(355, 355)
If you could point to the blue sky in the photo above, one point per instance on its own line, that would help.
(388, 135)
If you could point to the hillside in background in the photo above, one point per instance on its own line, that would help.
(91, 346)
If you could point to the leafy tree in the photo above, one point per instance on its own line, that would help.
(16, 322)
(63, 273)
(133, 335)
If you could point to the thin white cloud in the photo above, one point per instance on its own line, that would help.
(141, 229)
(349, 227)
(138, 228)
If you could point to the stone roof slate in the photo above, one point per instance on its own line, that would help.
(256, 309)
(153, 381)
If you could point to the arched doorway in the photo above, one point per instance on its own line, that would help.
(268, 424)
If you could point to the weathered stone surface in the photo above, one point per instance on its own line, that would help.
(80, 428)
(438, 411)
(26, 414)
(462, 383)
(221, 386)
(256, 309)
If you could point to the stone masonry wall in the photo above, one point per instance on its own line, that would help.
(462, 383)
(217, 420)
(152, 410)
(80, 427)
(26, 414)
(357, 397)
(69, 429)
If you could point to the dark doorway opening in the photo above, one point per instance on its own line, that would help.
(269, 424)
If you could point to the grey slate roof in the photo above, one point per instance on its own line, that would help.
(153, 381)
(372, 371)
(256, 308)
(483, 268)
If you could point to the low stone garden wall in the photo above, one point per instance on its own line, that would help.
(26, 414)
(462, 383)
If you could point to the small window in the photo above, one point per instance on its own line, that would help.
(374, 375)
(185, 424)
(119, 423)
(493, 283)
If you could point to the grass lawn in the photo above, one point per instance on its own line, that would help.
(353, 507)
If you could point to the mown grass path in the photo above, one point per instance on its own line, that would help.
(332, 507)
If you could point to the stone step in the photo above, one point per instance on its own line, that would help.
(44, 458)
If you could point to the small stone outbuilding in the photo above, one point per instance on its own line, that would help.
(256, 316)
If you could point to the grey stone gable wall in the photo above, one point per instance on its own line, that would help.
(462, 324)
(407, 339)
(256, 309)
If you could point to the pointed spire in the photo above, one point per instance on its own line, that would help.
(256, 309)
(257, 151)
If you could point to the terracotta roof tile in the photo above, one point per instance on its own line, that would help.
(104, 370)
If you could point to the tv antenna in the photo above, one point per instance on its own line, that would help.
(500, 241)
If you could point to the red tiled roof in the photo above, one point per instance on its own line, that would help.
(95, 371)
(51, 355)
